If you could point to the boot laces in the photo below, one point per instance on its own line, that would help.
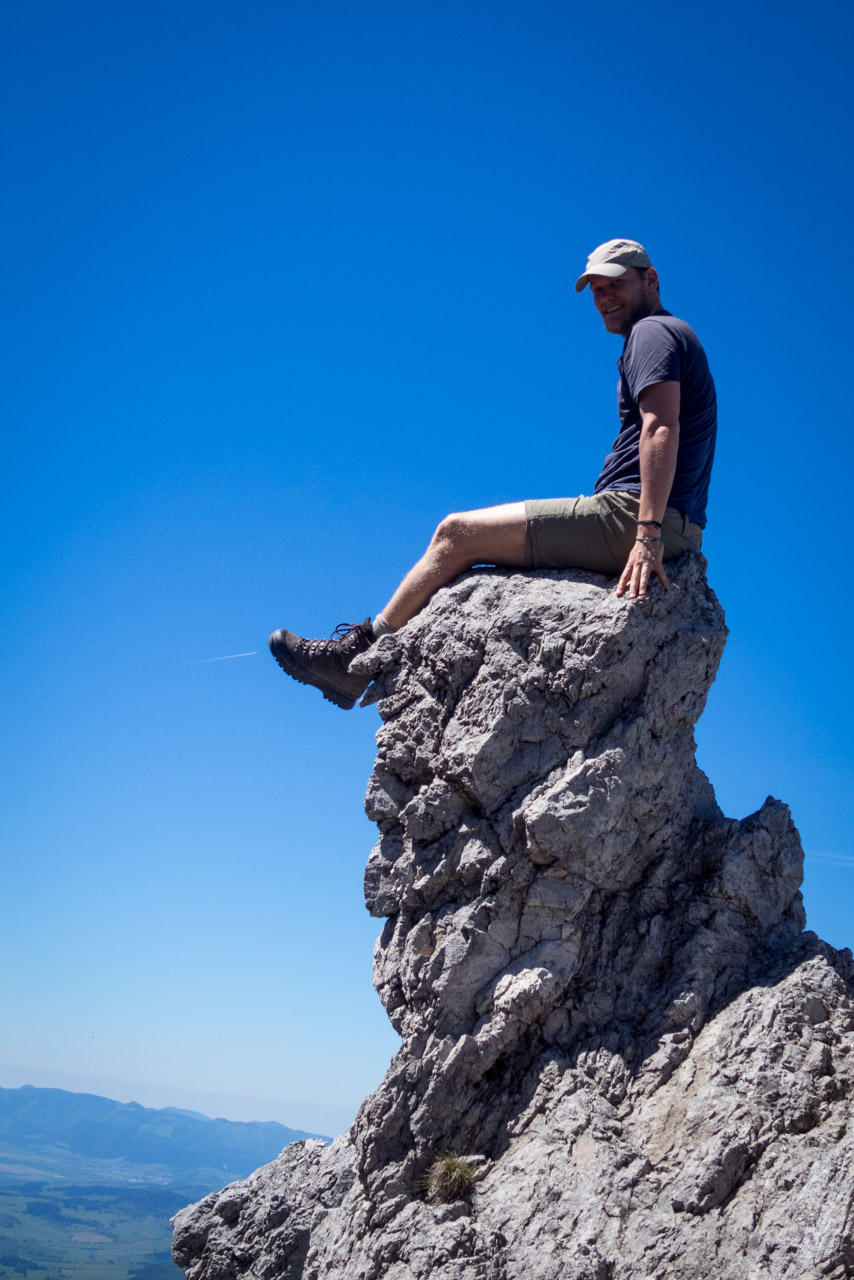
(342, 643)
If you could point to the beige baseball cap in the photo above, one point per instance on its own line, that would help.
(613, 259)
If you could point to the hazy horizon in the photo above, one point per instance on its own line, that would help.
(223, 1106)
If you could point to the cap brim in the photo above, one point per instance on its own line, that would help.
(612, 269)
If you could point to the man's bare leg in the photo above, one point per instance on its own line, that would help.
(492, 535)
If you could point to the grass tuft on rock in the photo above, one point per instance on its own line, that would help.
(450, 1177)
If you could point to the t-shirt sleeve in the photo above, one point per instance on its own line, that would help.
(651, 355)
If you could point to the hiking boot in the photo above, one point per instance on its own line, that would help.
(324, 663)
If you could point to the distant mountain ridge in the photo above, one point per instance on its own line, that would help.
(82, 1135)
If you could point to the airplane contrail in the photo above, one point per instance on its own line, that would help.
(224, 658)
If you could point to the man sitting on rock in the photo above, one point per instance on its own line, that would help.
(649, 503)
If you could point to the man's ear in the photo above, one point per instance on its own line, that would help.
(652, 279)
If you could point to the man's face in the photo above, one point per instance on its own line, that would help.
(623, 300)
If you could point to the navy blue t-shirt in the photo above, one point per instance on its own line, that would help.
(661, 348)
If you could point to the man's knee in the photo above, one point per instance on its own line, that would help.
(453, 544)
(451, 532)
(492, 535)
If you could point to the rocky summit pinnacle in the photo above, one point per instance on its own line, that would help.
(602, 985)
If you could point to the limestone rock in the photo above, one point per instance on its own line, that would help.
(601, 983)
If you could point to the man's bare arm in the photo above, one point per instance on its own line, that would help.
(659, 445)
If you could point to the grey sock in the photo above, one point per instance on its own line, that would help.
(381, 627)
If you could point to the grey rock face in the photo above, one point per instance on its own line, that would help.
(601, 983)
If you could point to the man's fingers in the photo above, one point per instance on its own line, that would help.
(640, 577)
(635, 577)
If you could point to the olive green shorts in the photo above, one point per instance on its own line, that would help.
(597, 533)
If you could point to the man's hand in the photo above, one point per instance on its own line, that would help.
(644, 559)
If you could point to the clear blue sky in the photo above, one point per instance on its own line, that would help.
(284, 283)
